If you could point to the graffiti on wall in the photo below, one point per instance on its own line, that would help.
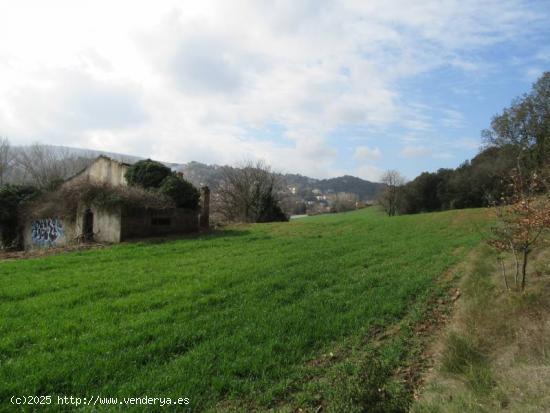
(46, 232)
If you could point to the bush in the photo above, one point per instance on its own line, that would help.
(147, 174)
(184, 194)
(12, 198)
(269, 210)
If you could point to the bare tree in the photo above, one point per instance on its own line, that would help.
(522, 219)
(249, 193)
(45, 166)
(6, 159)
(390, 196)
(343, 201)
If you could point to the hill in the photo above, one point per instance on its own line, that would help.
(305, 187)
(75, 159)
(257, 317)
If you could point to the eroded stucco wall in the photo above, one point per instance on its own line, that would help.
(48, 232)
(103, 170)
(107, 225)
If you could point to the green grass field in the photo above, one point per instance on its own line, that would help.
(238, 320)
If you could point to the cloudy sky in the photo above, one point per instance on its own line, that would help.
(317, 87)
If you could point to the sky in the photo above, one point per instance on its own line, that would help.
(321, 88)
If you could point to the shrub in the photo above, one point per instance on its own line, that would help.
(269, 210)
(184, 194)
(12, 198)
(147, 174)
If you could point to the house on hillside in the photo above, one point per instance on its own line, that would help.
(121, 216)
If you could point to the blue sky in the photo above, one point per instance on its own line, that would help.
(322, 88)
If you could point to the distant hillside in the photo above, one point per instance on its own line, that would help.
(202, 174)
(365, 190)
(306, 188)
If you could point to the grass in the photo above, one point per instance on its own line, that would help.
(496, 353)
(239, 320)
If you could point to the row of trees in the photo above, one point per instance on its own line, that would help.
(511, 174)
(517, 139)
(42, 166)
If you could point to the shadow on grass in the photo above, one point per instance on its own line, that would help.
(210, 234)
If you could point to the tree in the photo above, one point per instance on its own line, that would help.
(522, 217)
(421, 194)
(525, 125)
(390, 196)
(147, 174)
(249, 193)
(47, 166)
(184, 194)
(6, 159)
(343, 201)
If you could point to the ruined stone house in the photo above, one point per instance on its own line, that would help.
(111, 225)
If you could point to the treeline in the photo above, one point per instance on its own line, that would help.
(517, 140)
(41, 166)
(475, 183)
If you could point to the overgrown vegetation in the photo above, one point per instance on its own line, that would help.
(254, 318)
(147, 174)
(65, 202)
(157, 178)
(183, 193)
(12, 198)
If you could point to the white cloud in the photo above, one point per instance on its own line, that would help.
(369, 172)
(410, 151)
(189, 81)
(452, 118)
(364, 152)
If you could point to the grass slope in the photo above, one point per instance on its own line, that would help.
(226, 319)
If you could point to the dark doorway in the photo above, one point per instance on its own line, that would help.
(88, 227)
